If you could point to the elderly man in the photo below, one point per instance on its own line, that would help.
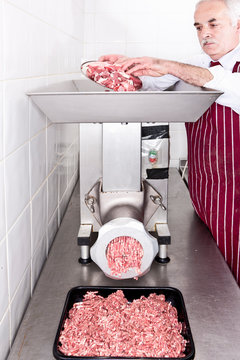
(214, 140)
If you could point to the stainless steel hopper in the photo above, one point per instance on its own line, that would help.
(83, 101)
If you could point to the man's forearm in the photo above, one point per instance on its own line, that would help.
(148, 66)
(191, 74)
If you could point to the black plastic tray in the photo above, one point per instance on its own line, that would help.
(171, 294)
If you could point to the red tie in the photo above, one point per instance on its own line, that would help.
(214, 63)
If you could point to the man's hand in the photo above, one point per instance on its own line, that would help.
(147, 66)
(113, 58)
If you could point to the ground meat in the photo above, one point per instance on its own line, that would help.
(112, 76)
(124, 253)
(112, 326)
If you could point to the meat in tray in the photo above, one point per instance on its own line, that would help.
(124, 323)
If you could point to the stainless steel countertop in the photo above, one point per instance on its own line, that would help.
(197, 269)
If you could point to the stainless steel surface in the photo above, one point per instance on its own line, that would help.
(90, 165)
(162, 230)
(106, 206)
(84, 252)
(160, 215)
(121, 157)
(85, 231)
(85, 101)
(197, 269)
(140, 205)
(162, 251)
(121, 204)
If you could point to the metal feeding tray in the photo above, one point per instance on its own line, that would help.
(84, 101)
(172, 295)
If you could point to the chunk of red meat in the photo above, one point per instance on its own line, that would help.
(112, 76)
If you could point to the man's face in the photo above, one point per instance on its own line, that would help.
(215, 32)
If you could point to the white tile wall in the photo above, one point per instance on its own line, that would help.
(57, 43)
(63, 203)
(16, 42)
(4, 300)
(39, 216)
(1, 36)
(38, 260)
(71, 162)
(136, 32)
(19, 302)
(37, 8)
(51, 147)
(52, 229)
(5, 335)
(2, 203)
(90, 6)
(178, 148)
(62, 175)
(109, 6)
(89, 28)
(15, 106)
(22, 4)
(53, 189)
(38, 48)
(139, 48)
(1, 120)
(106, 22)
(19, 250)
(37, 119)
(17, 183)
(41, 42)
(37, 163)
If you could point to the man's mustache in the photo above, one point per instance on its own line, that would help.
(208, 41)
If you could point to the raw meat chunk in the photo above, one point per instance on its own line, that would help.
(112, 76)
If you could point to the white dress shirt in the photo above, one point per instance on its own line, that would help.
(224, 80)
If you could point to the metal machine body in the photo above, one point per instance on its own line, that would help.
(123, 171)
(115, 183)
(97, 182)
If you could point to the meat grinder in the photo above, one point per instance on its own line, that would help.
(123, 171)
(123, 191)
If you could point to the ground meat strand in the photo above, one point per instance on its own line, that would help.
(112, 76)
(124, 253)
(109, 327)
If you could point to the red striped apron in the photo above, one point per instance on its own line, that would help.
(214, 177)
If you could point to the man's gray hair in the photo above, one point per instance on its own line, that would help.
(233, 7)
